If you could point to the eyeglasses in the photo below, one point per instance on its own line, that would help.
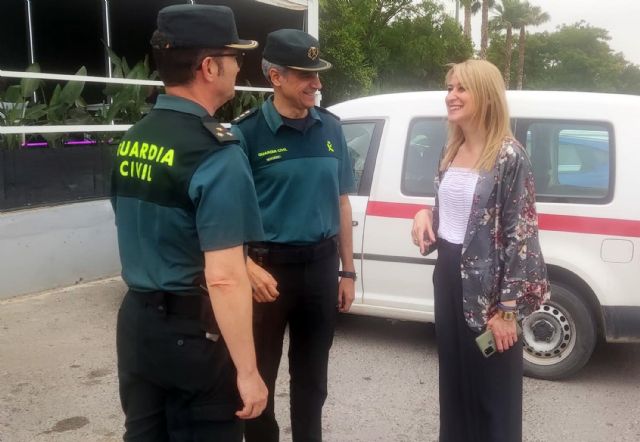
(239, 56)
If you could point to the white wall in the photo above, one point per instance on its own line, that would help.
(46, 248)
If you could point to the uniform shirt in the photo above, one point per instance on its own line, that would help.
(179, 192)
(299, 174)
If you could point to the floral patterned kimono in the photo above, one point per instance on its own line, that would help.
(501, 257)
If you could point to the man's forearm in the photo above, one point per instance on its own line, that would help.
(345, 237)
(230, 293)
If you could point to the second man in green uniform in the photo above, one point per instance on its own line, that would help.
(302, 173)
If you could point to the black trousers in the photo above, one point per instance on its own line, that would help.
(480, 398)
(175, 383)
(308, 305)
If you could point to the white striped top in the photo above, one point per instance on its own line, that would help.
(455, 197)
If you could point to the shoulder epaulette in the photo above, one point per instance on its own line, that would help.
(325, 111)
(244, 115)
(219, 132)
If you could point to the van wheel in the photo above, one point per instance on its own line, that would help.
(559, 337)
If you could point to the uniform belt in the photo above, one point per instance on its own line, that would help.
(191, 306)
(264, 253)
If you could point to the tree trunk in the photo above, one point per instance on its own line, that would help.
(521, 58)
(484, 30)
(467, 21)
(508, 50)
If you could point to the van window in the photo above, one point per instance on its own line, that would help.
(363, 138)
(427, 137)
(571, 160)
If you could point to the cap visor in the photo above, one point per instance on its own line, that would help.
(323, 65)
(244, 44)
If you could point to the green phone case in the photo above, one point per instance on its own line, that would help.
(487, 345)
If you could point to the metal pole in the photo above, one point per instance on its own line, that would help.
(106, 33)
(311, 24)
(32, 55)
(313, 18)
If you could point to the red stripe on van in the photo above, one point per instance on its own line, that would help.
(393, 210)
(583, 224)
(559, 223)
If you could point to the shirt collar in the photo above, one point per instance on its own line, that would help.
(273, 118)
(179, 104)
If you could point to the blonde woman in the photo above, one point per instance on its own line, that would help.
(490, 272)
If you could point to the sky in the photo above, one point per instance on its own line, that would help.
(620, 17)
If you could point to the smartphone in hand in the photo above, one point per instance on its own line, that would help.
(487, 344)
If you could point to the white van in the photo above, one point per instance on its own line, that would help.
(585, 151)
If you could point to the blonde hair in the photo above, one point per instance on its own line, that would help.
(485, 84)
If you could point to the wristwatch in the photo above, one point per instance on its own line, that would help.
(507, 315)
(352, 275)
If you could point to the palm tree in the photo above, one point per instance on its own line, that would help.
(484, 30)
(533, 17)
(511, 15)
(471, 7)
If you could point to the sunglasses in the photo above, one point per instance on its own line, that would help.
(239, 56)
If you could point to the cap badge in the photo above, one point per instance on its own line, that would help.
(312, 53)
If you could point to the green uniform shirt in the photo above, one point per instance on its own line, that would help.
(179, 190)
(299, 176)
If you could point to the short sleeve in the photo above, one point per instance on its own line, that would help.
(227, 213)
(346, 180)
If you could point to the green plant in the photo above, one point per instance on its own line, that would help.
(127, 103)
(66, 106)
(124, 103)
(17, 108)
(242, 101)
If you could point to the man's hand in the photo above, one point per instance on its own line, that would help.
(253, 393)
(346, 294)
(504, 332)
(265, 287)
(422, 230)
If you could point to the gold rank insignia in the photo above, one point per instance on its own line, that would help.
(221, 133)
(312, 53)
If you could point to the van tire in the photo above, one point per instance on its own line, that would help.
(559, 337)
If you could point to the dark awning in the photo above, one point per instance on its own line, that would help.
(68, 34)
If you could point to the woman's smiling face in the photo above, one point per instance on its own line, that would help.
(460, 103)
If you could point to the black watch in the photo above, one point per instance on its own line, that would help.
(352, 275)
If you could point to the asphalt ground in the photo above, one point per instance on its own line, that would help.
(58, 379)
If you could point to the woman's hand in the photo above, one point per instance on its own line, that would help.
(504, 332)
(422, 230)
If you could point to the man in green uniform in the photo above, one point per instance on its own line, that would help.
(185, 205)
(302, 173)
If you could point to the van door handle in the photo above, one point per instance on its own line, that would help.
(354, 223)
